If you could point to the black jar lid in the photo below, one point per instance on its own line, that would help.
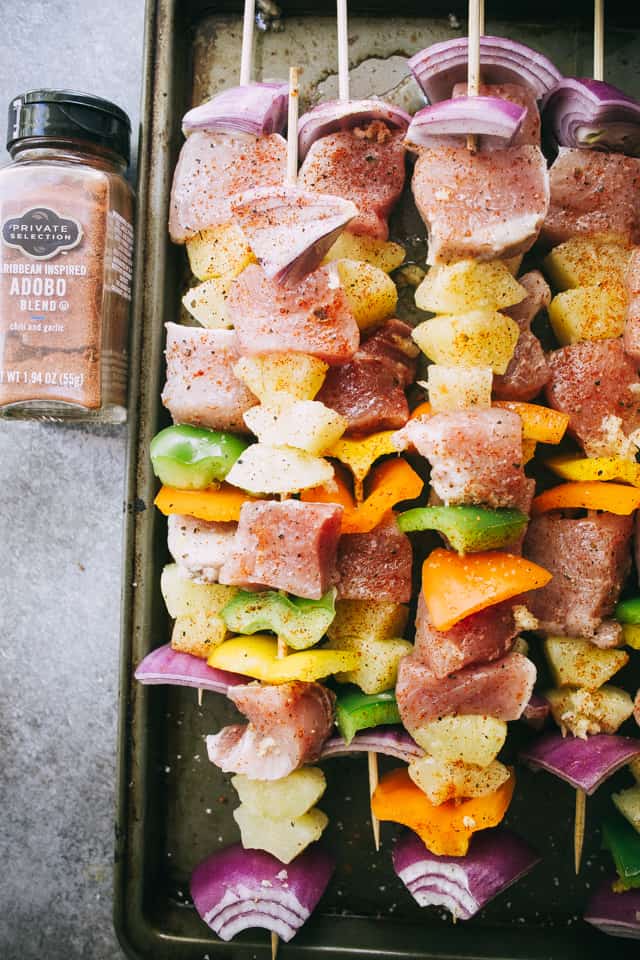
(69, 115)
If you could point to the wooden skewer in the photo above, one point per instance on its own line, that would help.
(343, 93)
(292, 126)
(200, 692)
(343, 51)
(275, 943)
(246, 57)
(476, 27)
(598, 40)
(578, 828)
(580, 816)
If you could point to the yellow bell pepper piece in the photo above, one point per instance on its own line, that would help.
(612, 497)
(360, 455)
(445, 829)
(576, 467)
(222, 504)
(538, 423)
(257, 657)
(631, 635)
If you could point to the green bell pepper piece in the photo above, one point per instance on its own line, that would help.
(468, 529)
(192, 458)
(359, 711)
(623, 842)
(300, 623)
(628, 611)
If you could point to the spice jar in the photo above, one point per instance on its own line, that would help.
(66, 243)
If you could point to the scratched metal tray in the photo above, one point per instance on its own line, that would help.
(174, 807)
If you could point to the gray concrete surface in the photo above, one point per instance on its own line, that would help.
(61, 492)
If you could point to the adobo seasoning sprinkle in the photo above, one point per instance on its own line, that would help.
(66, 243)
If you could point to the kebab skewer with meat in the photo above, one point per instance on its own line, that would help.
(593, 379)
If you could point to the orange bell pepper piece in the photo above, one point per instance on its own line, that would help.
(446, 829)
(423, 410)
(393, 481)
(338, 491)
(455, 585)
(538, 423)
(591, 495)
(222, 504)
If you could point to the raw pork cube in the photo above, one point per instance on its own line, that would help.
(201, 387)
(288, 546)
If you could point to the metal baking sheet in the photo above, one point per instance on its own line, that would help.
(174, 807)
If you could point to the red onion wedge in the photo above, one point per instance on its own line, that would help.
(617, 914)
(392, 741)
(585, 764)
(257, 108)
(494, 120)
(165, 665)
(335, 115)
(464, 885)
(580, 112)
(536, 711)
(290, 230)
(239, 889)
(439, 67)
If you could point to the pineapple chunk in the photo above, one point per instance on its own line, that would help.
(278, 374)
(304, 424)
(265, 469)
(586, 712)
(588, 313)
(634, 767)
(443, 780)
(383, 254)
(284, 839)
(362, 618)
(198, 634)
(196, 609)
(283, 799)
(185, 597)
(628, 803)
(579, 663)
(377, 670)
(463, 739)
(207, 303)
(480, 338)
(219, 252)
(457, 388)
(370, 292)
(582, 261)
(469, 285)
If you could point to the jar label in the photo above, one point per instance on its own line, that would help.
(41, 233)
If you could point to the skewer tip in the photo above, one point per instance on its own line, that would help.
(372, 759)
(200, 692)
(275, 943)
(578, 828)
